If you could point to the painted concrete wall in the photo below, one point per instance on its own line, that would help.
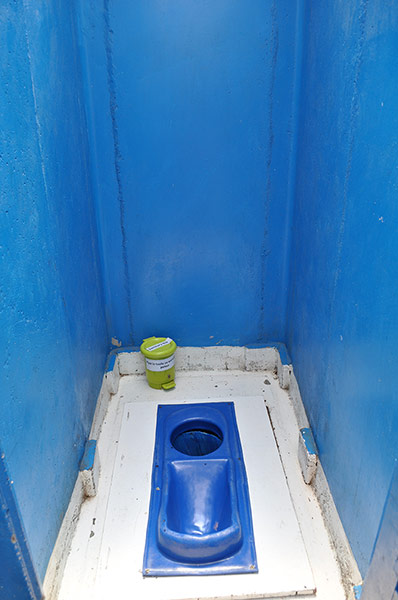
(52, 332)
(191, 119)
(191, 109)
(343, 305)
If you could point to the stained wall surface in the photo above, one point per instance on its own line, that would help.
(343, 304)
(191, 120)
(52, 336)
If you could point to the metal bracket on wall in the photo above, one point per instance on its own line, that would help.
(18, 579)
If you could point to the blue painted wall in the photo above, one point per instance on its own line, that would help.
(52, 333)
(177, 132)
(343, 304)
(191, 119)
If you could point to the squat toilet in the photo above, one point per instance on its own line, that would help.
(199, 517)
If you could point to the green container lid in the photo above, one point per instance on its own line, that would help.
(158, 347)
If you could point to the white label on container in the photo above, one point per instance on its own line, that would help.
(159, 345)
(160, 365)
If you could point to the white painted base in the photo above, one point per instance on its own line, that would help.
(284, 569)
(334, 569)
(59, 556)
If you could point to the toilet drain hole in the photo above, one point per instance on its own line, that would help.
(197, 438)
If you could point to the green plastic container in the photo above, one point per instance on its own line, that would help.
(159, 362)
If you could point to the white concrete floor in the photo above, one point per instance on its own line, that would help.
(89, 573)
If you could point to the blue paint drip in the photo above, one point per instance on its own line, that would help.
(309, 441)
(111, 362)
(87, 461)
(357, 591)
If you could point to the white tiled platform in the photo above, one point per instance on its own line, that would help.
(106, 554)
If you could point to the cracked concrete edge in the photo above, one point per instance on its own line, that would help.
(205, 358)
(61, 550)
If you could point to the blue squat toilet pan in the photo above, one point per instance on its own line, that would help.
(199, 517)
